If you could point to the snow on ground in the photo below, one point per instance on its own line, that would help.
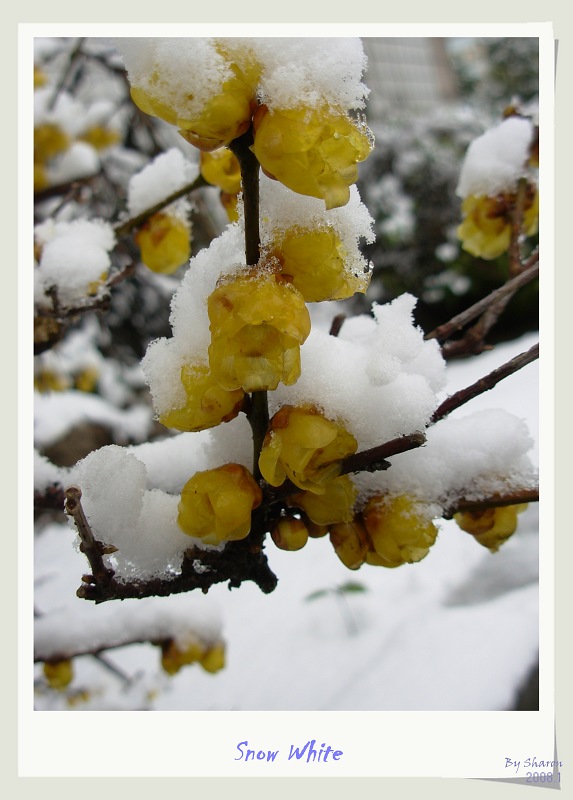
(458, 631)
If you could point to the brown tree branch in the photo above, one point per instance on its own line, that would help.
(374, 459)
(515, 497)
(530, 272)
(240, 561)
(484, 384)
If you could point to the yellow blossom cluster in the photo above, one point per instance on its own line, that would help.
(312, 150)
(175, 655)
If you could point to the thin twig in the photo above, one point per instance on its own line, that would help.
(531, 271)
(123, 228)
(374, 459)
(484, 384)
(90, 546)
(516, 497)
(73, 57)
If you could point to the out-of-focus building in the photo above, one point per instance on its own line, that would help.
(412, 74)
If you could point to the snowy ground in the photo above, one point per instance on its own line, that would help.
(458, 631)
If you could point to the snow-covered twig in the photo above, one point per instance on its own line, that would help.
(484, 384)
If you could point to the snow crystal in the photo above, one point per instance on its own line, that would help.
(166, 174)
(497, 159)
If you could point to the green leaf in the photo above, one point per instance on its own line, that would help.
(351, 587)
(317, 594)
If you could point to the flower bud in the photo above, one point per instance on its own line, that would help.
(305, 447)
(399, 532)
(290, 533)
(351, 543)
(59, 674)
(164, 242)
(313, 151)
(216, 504)
(207, 404)
(491, 527)
(257, 326)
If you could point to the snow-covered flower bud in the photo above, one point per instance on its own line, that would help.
(334, 506)
(491, 527)
(258, 323)
(164, 242)
(207, 404)
(400, 532)
(315, 261)
(485, 231)
(351, 543)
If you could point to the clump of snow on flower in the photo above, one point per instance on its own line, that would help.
(310, 71)
(497, 159)
(166, 174)
(74, 259)
(282, 210)
(293, 72)
(189, 319)
(378, 376)
(140, 522)
(170, 63)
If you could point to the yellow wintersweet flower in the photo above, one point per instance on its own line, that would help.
(258, 323)
(486, 228)
(305, 447)
(216, 504)
(315, 262)
(351, 543)
(221, 168)
(334, 506)
(49, 141)
(59, 674)
(313, 151)
(100, 138)
(175, 655)
(164, 242)
(207, 403)
(490, 526)
(399, 533)
(223, 117)
(289, 533)
(214, 658)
